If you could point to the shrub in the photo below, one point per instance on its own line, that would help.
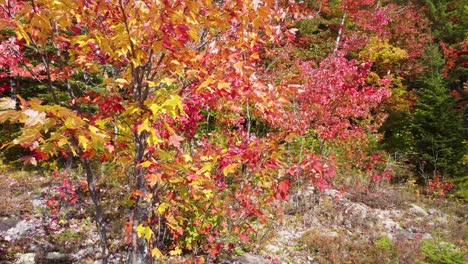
(442, 252)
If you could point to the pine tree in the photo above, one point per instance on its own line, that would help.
(436, 126)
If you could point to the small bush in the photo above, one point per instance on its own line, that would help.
(384, 243)
(442, 252)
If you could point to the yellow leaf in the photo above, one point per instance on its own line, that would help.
(206, 167)
(153, 138)
(95, 135)
(223, 85)
(162, 208)
(151, 84)
(107, 81)
(83, 141)
(102, 123)
(7, 103)
(193, 35)
(73, 152)
(144, 231)
(73, 122)
(173, 103)
(145, 125)
(177, 251)
(206, 83)
(21, 34)
(146, 164)
(92, 67)
(255, 56)
(205, 158)
(187, 158)
(62, 141)
(208, 193)
(155, 108)
(153, 178)
(164, 155)
(28, 137)
(156, 253)
(121, 82)
(168, 81)
(231, 168)
(93, 129)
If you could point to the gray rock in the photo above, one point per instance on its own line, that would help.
(21, 229)
(38, 202)
(433, 211)
(272, 249)
(248, 258)
(390, 225)
(56, 256)
(427, 236)
(82, 253)
(27, 258)
(7, 223)
(442, 219)
(418, 210)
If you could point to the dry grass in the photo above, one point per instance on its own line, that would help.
(342, 249)
(354, 229)
(18, 190)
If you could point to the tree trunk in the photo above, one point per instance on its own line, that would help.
(99, 216)
(340, 32)
(139, 247)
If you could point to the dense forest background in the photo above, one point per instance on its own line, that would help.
(185, 122)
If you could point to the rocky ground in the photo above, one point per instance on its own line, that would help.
(386, 226)
(390, 225)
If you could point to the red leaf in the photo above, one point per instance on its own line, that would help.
(210, 239)
(282, 190)
(175, 140)
(284, 186)
(244, 237)
(215, 249)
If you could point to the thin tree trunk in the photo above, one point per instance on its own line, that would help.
(340, 32)
(98, 210)
(12, 88)
(249, 123)
(139, 250)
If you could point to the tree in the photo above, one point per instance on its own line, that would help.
(138, 74)
(173, 92)
(437, 126)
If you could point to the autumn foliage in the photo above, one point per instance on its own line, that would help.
(206, 110)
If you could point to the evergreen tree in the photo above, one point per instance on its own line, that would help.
(436, 126)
